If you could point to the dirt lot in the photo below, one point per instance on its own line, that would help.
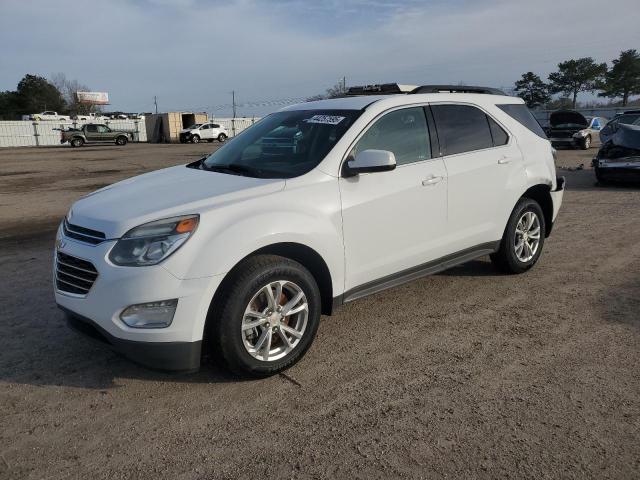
(466, 374)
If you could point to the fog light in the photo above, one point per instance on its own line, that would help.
(150, 315)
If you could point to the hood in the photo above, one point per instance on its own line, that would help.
(164, 193)
(627, 136)
(567, 117)
(186, 130)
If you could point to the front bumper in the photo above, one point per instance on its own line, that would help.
(116, 288)
(167, 356)
(566, 141)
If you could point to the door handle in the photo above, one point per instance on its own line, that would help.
(432, 180)
(504, 160)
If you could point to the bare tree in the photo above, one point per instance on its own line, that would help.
(68, 88)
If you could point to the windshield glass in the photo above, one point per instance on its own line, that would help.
(194, 126)
(283, 144)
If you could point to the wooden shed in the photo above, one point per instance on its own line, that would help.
(165, 127)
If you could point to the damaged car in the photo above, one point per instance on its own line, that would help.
(631, 117)
(568, 128)
(619, 158)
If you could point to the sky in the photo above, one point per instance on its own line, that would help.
(192, 54)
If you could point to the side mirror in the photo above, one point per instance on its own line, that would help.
(369, 161)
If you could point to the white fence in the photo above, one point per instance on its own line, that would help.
(28, 133)
(235, 125)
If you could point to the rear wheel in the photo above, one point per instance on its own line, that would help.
(76, 142)
(121, 141)
(195, 139)
(222, 137)
(523, 238)
(266, 316)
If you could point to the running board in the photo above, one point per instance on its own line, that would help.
(413, 273)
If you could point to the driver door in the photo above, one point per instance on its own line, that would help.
(394, 221)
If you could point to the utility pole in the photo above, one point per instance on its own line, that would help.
(344, 84)
(155, 102)
(233, 120)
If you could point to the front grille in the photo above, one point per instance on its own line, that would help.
(74, 275)
(86, 235)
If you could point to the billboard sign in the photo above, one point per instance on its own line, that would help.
(93, 98)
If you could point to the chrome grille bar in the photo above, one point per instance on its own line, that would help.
(74, 275)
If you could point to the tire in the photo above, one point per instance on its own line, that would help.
(76, 142)
(222, 138)
(245, 290)
(507, 257)
(195, 139)
(586, 143)
(602, 180)
(121, 141)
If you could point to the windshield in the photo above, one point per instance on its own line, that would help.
(194, 126)
(283, 144)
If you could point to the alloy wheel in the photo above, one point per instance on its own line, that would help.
(275, 320)
(527, 238)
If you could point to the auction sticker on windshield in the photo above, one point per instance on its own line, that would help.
(326, 119)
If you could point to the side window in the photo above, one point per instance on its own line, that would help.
(102, 129)
(403, 132)
(206, 126)
(92, 128)
(215, 125)
(500, 137)
(521, 113)
(461, 128)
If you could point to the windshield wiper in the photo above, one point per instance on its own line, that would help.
(233, 169)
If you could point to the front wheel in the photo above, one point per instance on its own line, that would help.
(121, 141)
(586, 143)
(195, 139)
(523, 238)
(266, 316)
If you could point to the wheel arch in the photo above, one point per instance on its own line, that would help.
(541, 193)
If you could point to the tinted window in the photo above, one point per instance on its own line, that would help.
(215, 125)
(521, 113)
(500, 137)
(461, 128)
(403, 132)
(92, 128)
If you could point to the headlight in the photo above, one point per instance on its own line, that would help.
(153, 242)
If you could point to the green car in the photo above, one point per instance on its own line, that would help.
(94, 133)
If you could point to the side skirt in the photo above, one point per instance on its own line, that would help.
(413, 273)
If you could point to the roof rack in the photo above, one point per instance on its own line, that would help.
(381, 89)
(457, 89)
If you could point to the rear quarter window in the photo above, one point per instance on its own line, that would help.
(521, 113)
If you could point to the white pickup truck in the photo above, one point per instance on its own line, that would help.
(50, 115)
(94, 117)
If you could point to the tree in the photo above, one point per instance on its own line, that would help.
(337, 91)
(532, 90)
(8, 105)
(575, 76)
(623, 79)
(35, 94)
(68, 88)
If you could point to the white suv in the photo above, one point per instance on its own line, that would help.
(316, 205)
(204, 131)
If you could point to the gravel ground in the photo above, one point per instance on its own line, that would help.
(465, 374)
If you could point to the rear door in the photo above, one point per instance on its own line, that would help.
(484, 167)
(396, 220)
(91, 133)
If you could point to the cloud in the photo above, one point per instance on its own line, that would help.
(192, 53)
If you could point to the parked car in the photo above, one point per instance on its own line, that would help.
(204, 131)
(627, 118)
(568, 128)
(94, 133)
(619, 158)
(93, 117)
(240, 252)
(50, 115)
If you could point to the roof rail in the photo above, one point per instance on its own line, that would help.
(381, 89)
(457, 89)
